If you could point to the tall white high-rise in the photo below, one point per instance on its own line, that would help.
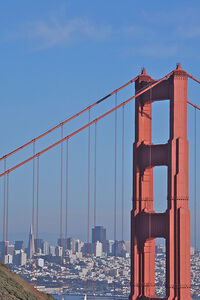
(98, 249)
(31, 248)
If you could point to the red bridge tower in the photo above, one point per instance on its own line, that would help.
(174, 224)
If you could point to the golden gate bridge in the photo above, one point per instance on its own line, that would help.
(146, 224)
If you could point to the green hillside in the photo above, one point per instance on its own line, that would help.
(14, 287)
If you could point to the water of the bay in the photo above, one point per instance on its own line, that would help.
(73, 297)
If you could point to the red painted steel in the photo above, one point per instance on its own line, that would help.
(68, 120)
(194, 105)
(192, 77)
(146, 225)
(174, 224)
(82, 128)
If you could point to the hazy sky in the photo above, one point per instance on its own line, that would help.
(57, 57)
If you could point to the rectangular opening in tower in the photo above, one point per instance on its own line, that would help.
(160, 267)
(160, 122)
(160, 189)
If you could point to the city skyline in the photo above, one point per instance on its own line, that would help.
(110, 269)
(50, 95)
(100, 147)
(28, 236)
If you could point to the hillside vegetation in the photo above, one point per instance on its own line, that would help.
(14, 287)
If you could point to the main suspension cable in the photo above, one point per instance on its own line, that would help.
(78, 114)
(85, 126)
(68, 120)
(194, 105)
(192, 77)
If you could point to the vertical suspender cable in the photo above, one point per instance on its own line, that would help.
(122, 245)
(149, 232)
(61, 210)
(115, 192)
(195, 181)
(4, 212)
(7, 214)
(88, 221)
(123, 128)
(33, 204)
(66, 209)
(37, 216)
(150, 211)
(33, 199)
(95, 201)
(61, 188)
(132, 202)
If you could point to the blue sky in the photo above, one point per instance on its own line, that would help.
(60, 56)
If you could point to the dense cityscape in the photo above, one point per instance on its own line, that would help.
(101, 267)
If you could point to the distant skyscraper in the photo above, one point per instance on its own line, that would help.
(38, 244)
(59, 251)
(19, 245)
(52, 250)
(31, 248)
(99, 234)
(5, 248)
(98, 249)
(8, 259)
(19, 258)
(87, 249)
(45, 249)
(128, 246)
(62, 243)
(119, 248)
(109, 247)
(10, 249)
(72, 244)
